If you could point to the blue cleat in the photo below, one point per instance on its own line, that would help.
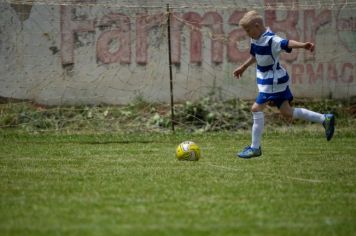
(329, 125)
(249, 152)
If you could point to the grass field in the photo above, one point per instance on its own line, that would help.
(116, 184)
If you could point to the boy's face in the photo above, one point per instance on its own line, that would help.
(253, 30)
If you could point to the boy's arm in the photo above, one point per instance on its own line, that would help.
(240, 70)
(307, 45)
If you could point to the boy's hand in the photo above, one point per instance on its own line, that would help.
(239, 71)
(309, 46)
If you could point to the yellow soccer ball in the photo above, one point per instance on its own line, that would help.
(188, 151)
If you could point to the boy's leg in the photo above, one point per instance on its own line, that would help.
(258, 125)
(305, 114)
(257, 129)
(300, 113)
(285, 109)
(327, 120)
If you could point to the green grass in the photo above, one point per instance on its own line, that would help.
(116, 184)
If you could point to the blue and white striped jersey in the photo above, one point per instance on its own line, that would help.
(271, 76)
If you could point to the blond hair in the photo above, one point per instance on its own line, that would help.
(251, 17)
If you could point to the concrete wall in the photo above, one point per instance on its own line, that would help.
(90, 52)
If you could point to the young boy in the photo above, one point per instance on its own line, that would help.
(273, 80)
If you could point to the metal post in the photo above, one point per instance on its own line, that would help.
(170, 65)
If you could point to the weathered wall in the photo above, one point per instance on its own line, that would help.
(114, 51)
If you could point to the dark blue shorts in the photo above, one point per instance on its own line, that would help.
(275, 99)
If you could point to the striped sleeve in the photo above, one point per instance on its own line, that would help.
(279, 44)
(284, 45)
(252, 50)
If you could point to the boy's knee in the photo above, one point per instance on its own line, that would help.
(287, 113)
(256, 107)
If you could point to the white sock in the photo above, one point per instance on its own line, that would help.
(301, 113)
(257, 128)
